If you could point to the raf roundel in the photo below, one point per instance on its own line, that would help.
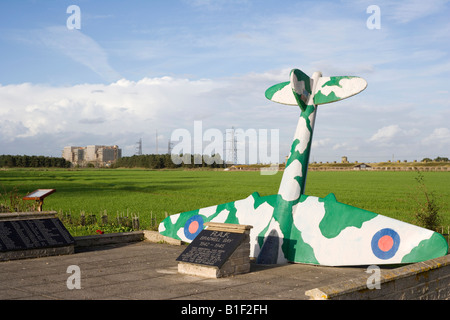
(193, 226)
(385, 243)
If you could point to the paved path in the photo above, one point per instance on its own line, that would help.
(148, 271)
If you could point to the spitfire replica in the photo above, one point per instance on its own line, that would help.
(293, 227)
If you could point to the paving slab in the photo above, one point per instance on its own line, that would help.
(148, 271)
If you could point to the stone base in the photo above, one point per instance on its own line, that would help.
(198, 270)
(36, 253)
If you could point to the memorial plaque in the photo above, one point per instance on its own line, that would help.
(33, 234)
(211, 248)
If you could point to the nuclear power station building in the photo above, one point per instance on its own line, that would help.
(99, 156)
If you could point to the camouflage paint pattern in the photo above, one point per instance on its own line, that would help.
(293, 227)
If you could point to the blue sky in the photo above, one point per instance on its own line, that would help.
(135, 68)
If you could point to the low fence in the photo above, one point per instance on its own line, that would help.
(392, 168)
(313, 167)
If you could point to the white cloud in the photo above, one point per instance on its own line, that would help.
(393, 133)
(411, 10)
(320, 143)
(405, 11)
(402, 74)
(43, 119)
(385, 134)
(79, 47)
(345, 146)
(125, 110)
(439, 136)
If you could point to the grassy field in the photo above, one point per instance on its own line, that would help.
(145, 192)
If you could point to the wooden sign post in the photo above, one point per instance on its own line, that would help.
(39, 196)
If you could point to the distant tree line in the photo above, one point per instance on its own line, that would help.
(24, 161)
(161, 161)
(438, 159)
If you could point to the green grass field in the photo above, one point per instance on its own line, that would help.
(146, 192)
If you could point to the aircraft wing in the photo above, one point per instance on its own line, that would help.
(319, 231)
(328, 89)
(331, 89)
(337, 234)
(281, 93)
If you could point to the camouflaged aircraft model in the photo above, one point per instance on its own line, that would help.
(293, 227)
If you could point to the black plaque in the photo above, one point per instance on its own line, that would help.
(211, 248)
(33, 234)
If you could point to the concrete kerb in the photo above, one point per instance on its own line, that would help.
(423, 280)
(155, 236)
(108, 238)
(123, 237)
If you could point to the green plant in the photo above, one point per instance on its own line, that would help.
(88, 224)
(427, 211)
(91, 229)
(10, 201)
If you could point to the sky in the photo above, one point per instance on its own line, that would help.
(115, 72)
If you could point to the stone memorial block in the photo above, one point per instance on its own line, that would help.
(220, 250)
(27, 236)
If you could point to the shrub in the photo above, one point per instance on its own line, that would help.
(427, 211)
(11, 201)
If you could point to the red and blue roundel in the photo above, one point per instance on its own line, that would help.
(385, 243)
(193, 226)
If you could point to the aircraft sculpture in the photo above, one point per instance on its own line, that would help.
(293, 227)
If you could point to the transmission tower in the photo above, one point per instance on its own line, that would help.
(139, 147)
(232, 150)
(169, 147)
(156, 138)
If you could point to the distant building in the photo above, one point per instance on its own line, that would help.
(99, 156)
(362, 166)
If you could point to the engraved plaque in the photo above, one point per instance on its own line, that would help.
(211, 248)
(33, 234)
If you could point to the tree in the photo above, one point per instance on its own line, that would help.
(32, 161)
(441, 159)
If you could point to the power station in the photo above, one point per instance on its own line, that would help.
(99, 156)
